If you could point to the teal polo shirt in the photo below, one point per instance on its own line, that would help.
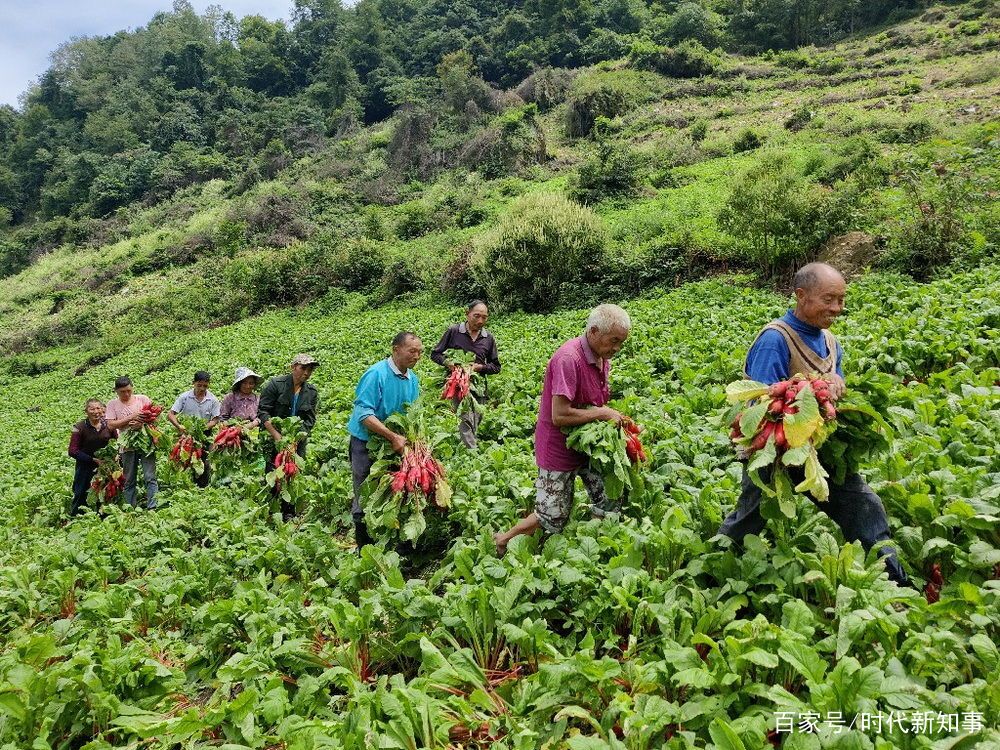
(382, 390)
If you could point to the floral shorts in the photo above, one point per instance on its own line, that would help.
(554, 496)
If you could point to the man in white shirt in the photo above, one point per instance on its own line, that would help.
(201, 403)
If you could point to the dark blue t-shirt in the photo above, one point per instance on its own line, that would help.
(768, 358)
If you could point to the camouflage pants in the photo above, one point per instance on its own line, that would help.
(554, 496)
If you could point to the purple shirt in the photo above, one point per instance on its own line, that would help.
(239, 406)
(572, 372)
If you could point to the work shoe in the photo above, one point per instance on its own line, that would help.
(361, 536)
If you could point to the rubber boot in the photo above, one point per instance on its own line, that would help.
(361, 536)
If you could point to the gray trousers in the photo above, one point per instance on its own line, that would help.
(361, 467)
(468, 425)
(853, 506)
(130, 464)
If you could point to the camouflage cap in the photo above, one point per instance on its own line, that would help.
(305, 360)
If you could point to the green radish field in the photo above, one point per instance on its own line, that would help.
(211, 624)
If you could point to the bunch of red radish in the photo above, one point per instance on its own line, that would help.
(185, 452)
(783, 395)
(108, 482)
(230, 437)
(633, 446)
(146, 437)
(458, 384)
(149, 413)
(285, 465)
(418, 471)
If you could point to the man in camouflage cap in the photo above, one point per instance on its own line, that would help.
(290, 395)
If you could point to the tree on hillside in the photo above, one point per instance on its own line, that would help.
(232, 86)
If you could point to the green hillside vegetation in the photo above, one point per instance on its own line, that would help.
(752, 164)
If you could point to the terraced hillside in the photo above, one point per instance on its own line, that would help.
(891, 134)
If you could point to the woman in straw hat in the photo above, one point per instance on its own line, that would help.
(241, 402)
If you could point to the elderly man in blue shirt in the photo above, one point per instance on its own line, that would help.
(800, 342)
(385, 388)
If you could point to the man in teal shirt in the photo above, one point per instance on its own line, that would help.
(385, 388)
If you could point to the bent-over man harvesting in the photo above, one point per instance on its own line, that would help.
(800, 342)
(575, 392)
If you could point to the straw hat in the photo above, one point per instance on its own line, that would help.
(242, 373)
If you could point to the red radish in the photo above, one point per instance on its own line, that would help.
(776, 406)
(286, 463)
(633, 445)
(229, 437)
(780, 442)
(761, 438)
(777, 390)
(935, 582)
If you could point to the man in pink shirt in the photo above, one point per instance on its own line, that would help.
(575, 392)
(121, 415)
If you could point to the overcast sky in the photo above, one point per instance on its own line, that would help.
(31, 29)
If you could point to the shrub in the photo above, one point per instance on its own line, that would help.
(689, 59)
(778, 215)
(275, 218)
(230, 236)
(692, 20)
(611, 170)
(546, 87)
(603, 44)
(123, 178)
(510, 144)
(830, 65)
(459, 82)
(415, 219)
(373, 225)
(698, 130)
(914, 131)
(261, 278)
(400, 277)
(584, 109)
(934, 232)
(459, 281)
(14, 256)
(410, 153)
(793, 60)
(748, 140)
(799, 118)
(356, 264)
(854, 154)
(543, 242)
